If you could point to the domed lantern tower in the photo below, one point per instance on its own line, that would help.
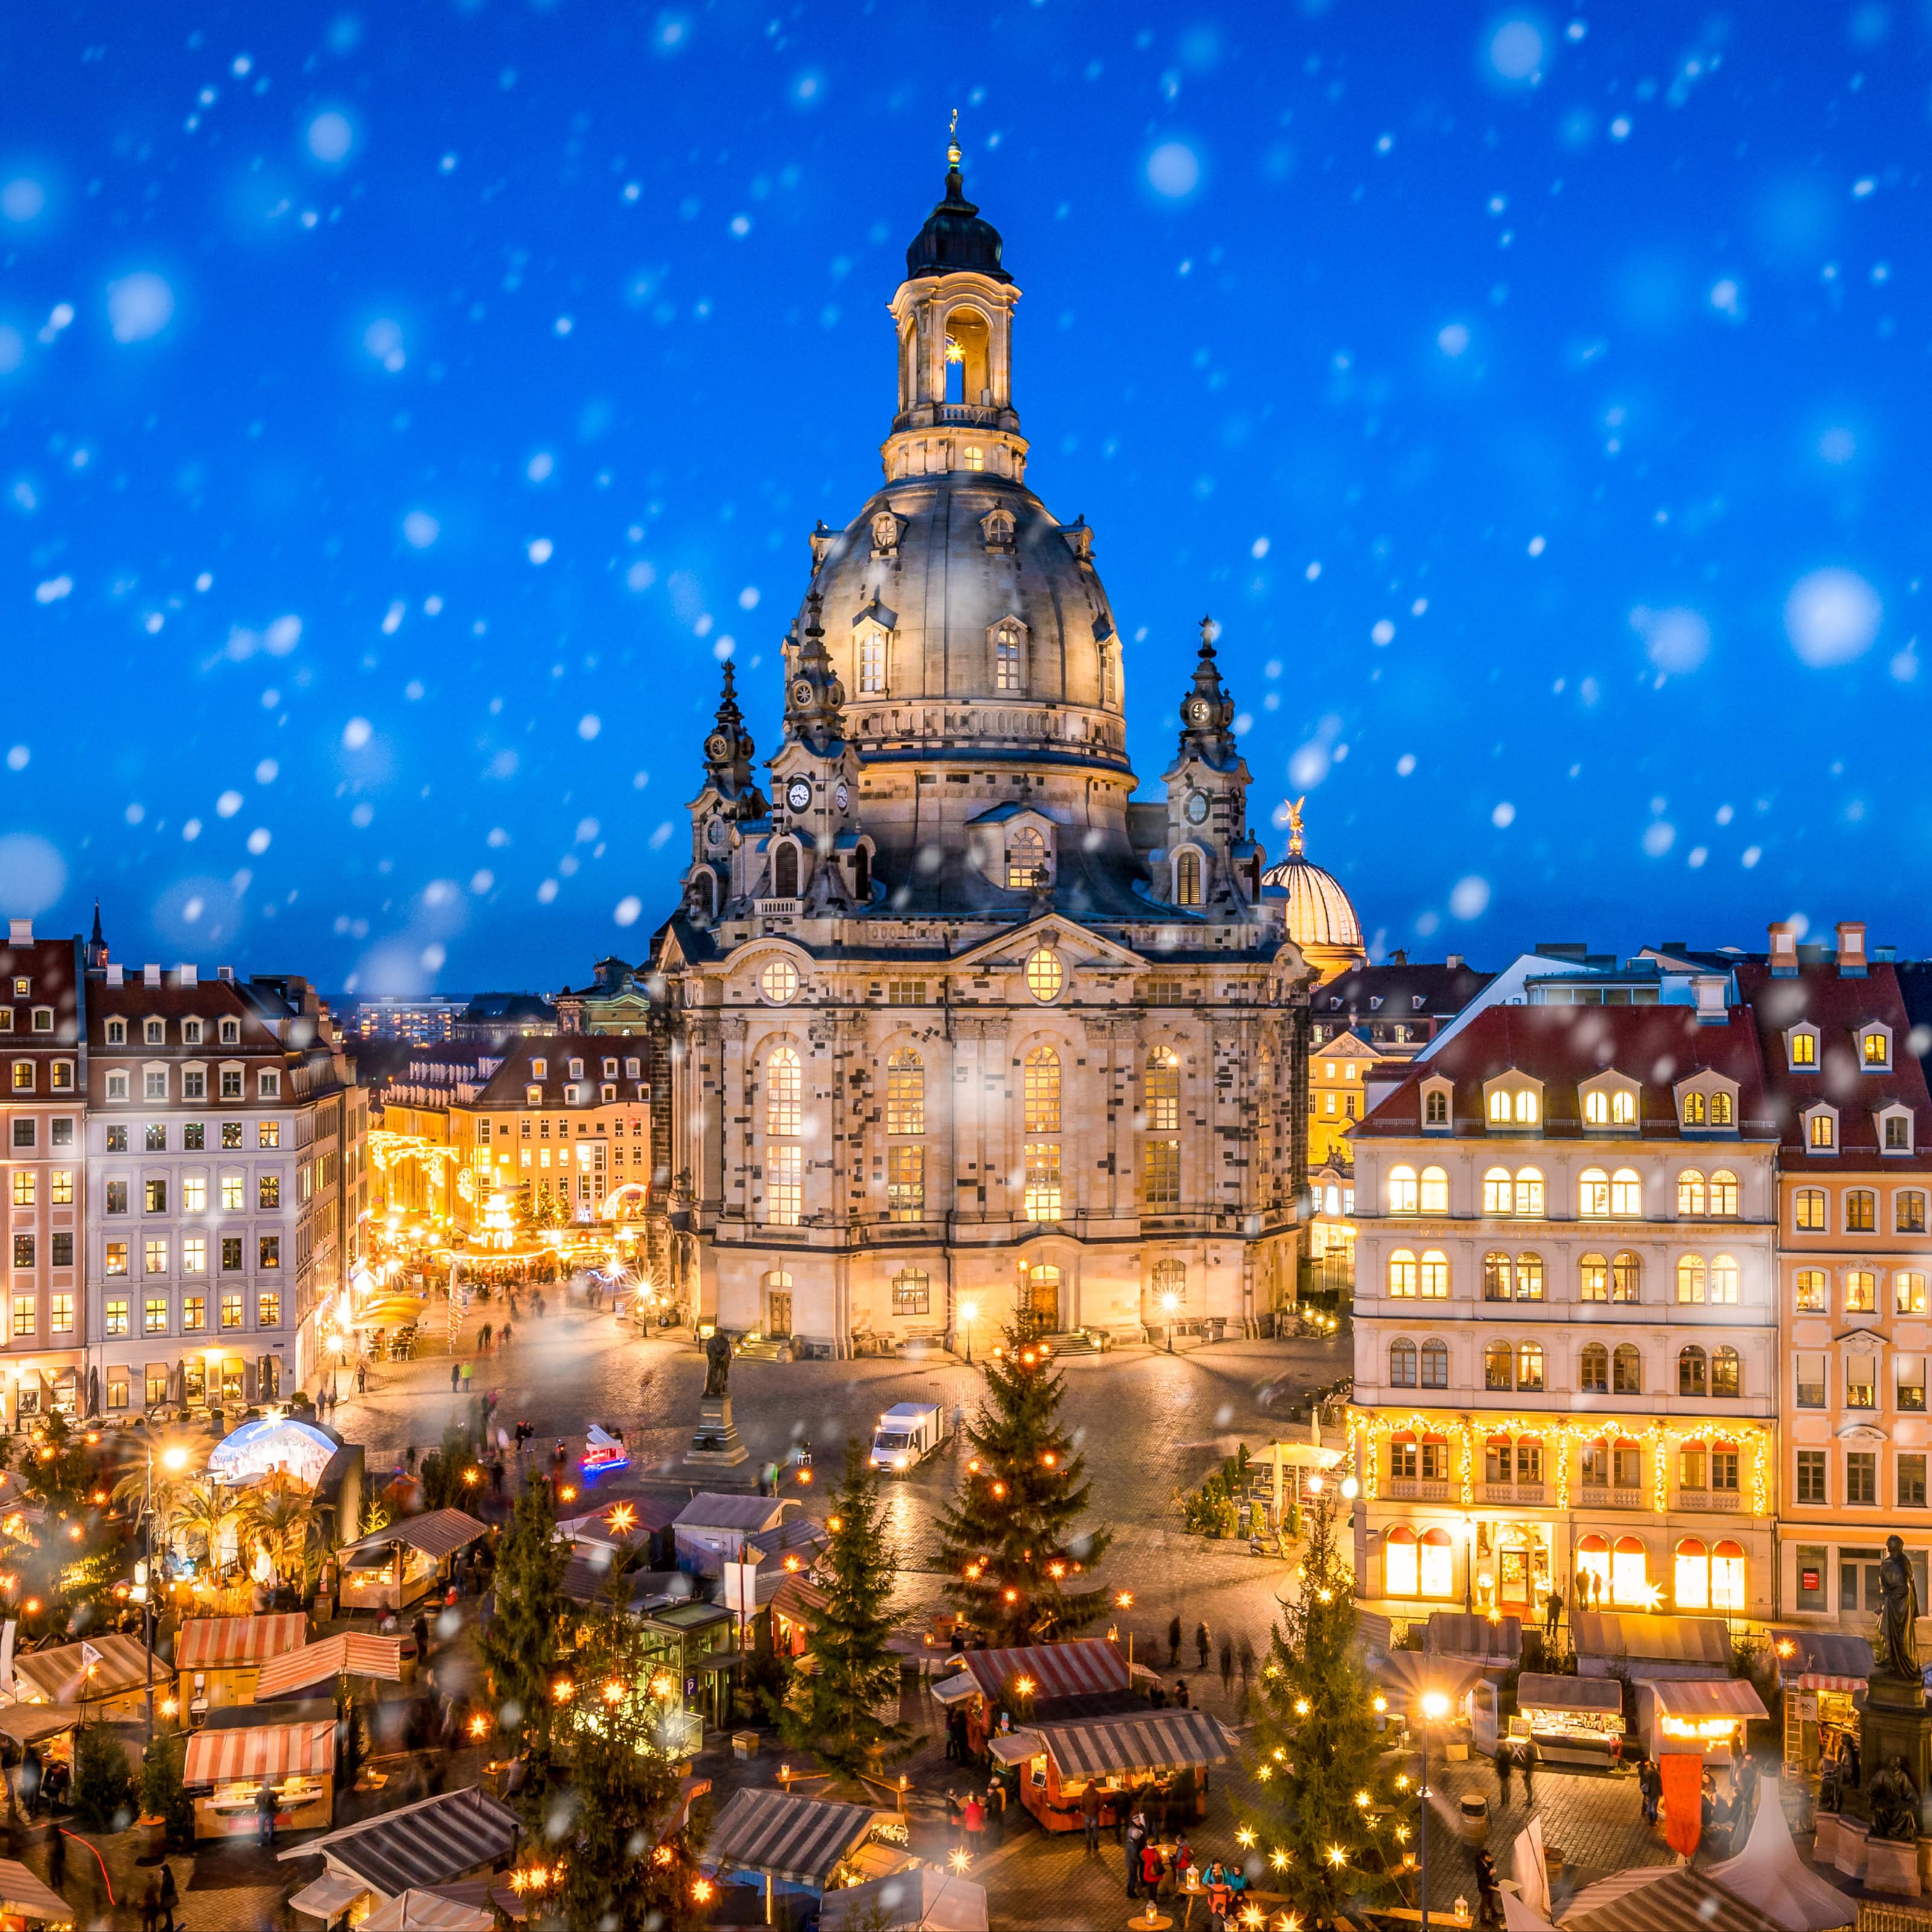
(953, 1048)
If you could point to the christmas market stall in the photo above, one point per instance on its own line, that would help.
(435, 1841)
(390, 1569)
(225, 1770)
(315, 1669)
(1573, 1720)
(1124, 1753)
(108, 1676)
(920, 1900)
(1696, 1715)
(797, 1844)
(1822, 1676)
(218, 1659)
(25, 1900)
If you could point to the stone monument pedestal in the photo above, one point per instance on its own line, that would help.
(1896, 1723)
(1848, 1855)
(1892, 1865)
(716, 1444)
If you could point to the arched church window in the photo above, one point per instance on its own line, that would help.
(1187, 878)
(1110, 676)
(1026, 859)
(862, 875)
(905, 1094)
(976, 457)
(1008, 670)
(785, 872)
(872, 661)
(1042, 1091)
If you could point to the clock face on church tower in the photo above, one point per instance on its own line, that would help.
(798, 794)
(842, 798)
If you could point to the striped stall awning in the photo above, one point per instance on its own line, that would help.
(803, 1841)
(1161, 1741)
(1678, 1897)
(354, 1654)
(107, 1665)
(1821, 1659)
(219, 1643)
(428, 1843)
(263, 1751)
(1086, 1667)
(1705, 1697)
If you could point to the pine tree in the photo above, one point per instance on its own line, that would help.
(525, 1638)
(1324, 1810)
(1012, 1541)
(614, 1856)
(831, 1706)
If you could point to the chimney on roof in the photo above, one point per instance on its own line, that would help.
(151, 975)
(189, 975)
(19, 932)
(114, 972)
(225, 973)
(1784, 950)
(1851, 961)
(1455, 962)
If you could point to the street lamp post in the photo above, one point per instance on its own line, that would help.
(175, 1459)
(1435, 1707)
(967, 1310)
(1170, 1302)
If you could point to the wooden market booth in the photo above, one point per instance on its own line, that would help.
(218, 1659)
(315, 1669)
(1822, 1676)
(390, 1569)
(802, 1843)
(107, 1676)
(25, 1900)
(1573, 1720)
(1122, 1752)
(1703, 1717)
(226, 1768)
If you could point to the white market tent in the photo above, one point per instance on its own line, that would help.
(921, 1900)
(1769, 1874)
(259, 1449)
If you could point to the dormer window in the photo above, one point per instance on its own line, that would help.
(1707, 1103)
(1009, 642)
(1609, 1107)
(1875, 1049)
(1801, 1045)
(1375, 1003)
(1415, 1002)
(1508, 1105)
(608, 1091)
(231, 1033)
(1894, 1130)
(1026, 859)
(1821, 1130)
(532, 1097)
(190, 1032)
(610, 1068)
(577, 1070)
(1435, 1106)
(117, 1033)
(44, 1019)
(872, 660)
(539, 1069)
(154, 1032)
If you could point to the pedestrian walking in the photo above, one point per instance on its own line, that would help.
(1650, 1784)
(1747, 1789)
(1247, 1661)
(1526, 1755)
(1137, 1838)
(1489, 1893)
(1153, 1869)
(1552, 1612)
(1173, 1642)
(170, 1897)
(57, 1860)
(1505, 1758)
(1227, 1667)
(151, 1906)
(1090, 1814)
(361, 1378)
(483, 1339)
(506, 1335)
(973, 1821)
(996, 1811)
(1200, 1645)
(1181, 1693)
(455, 1376)
(952, 1819)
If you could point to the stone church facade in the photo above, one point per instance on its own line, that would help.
(957, 1031)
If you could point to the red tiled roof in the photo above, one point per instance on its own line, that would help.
(1564, 1046)
(1839, 1007)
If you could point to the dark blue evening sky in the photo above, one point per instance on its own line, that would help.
(403, 406)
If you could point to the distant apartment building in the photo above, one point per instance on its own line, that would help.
(422, 1022)
(224, 1183)
(43, 1177)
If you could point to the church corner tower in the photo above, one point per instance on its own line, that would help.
(961, 1025)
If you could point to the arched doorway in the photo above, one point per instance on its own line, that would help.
(1038, 1299)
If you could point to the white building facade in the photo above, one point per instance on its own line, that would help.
(1566, 1317)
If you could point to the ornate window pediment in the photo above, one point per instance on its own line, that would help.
(996, 527)
(888, 527)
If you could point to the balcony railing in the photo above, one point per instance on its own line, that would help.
(1410, 1490)
(969, 415)
(1512, 1493)
(1710, 1499)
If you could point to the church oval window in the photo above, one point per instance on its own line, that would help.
(1045, 973)
(779, 982)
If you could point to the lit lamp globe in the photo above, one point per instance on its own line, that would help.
(1434, 1706)
(1351, 1489)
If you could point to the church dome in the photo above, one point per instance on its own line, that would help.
(1321, 917)
(964, 588)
